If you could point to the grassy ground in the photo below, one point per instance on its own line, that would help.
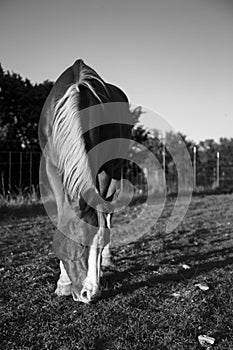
(149, 301)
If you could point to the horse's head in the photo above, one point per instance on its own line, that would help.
(80, 250)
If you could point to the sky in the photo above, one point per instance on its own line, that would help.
(172, 57)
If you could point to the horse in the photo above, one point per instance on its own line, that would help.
(80, 116)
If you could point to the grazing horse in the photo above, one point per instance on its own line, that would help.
(82, 113)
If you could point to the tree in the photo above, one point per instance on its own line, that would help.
(20, 107)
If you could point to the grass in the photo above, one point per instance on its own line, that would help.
(19, 196)
(149, 300)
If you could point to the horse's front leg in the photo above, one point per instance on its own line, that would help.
(91, 286)
(64, 284)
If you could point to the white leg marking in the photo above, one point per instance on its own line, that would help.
(108, 219)
(64, 282)
(93, 268)
(106, 254)
(91, 288)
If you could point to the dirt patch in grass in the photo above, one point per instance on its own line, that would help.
(150, 298)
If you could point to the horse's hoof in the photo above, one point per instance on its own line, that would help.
(106, 261)
(63, 289)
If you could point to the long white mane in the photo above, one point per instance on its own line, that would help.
(67, 135)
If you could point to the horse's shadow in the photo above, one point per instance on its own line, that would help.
(114, 277)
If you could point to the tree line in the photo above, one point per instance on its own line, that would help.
(21, 103)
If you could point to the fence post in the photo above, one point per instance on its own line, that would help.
(164, 154)
(9, 177)
(20, 171)
(30, 169)
(218, 156)
(194, 167)
(3, 184)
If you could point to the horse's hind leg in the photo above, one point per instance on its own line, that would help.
(106, 253)
(106, 256)
(107, 187)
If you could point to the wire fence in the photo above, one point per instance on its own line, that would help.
(19, 173)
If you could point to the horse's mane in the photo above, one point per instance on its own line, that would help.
(67, 134)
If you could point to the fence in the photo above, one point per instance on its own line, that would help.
(19, 173)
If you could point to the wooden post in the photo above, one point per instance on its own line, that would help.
(163, 153)
(20, 171)
(194, 167)
(217, 182)
(9, 173)
(30, 170)
(164, 157)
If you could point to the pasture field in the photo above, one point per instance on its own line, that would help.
(150, 299)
